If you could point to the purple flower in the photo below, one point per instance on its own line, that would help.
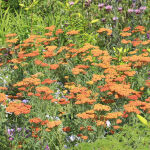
(130, 10)
(115, 18)
(148, 36)
(19, 129)
(103, 19)
(25, 101)
(88, 3)
(47, 147)
(10, 132)
(142, 8)
(137, 11)
(108, 8)
(119, 8)
(71, 3)
(11, 138)
(100, 5)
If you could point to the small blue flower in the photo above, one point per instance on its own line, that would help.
(25, 101)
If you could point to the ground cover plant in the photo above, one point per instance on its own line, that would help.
(74, 72)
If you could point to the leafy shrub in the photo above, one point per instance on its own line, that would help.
(131, 137)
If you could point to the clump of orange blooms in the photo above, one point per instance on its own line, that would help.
(90, 106)
(18, 108)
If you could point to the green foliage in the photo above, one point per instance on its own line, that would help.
(131, 137)
(4, 143)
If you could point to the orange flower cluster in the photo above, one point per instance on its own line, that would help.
(28, 81)
(52, 124)
(76, 71)
(125, 34)
(59, 31)
(35, 120)
(100, 123)
(43, 89)
(63, 101)
(121, 89)
(10, 35)
(131, 108)
(139, 29)
(3, 88)
(126, 29)
(3, 98)
(113, 115)
(147, 83)
(148, 99)
(87, 115)
(100, 107)
(124, 41)
(97, 77)
(51, 28)
(66, 129)
(50, 51)
(96, 52)
(48, 81)
(53, 66)
(73, 32)
(136, 41)
(18, 108)
(109, 32)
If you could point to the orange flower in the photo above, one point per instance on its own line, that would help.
(100, 123)
(15, 67)
(126, 29)
(148, 99)
(44, 122)
(3, 88)
(136, 42)
(73, 32)
(118, 121)
(113, 115)
(10, 35)
(125, 34)
(30, 93)
(35, 120)
(134, 97)
(130, 73)
(18, 108)
(52, 124)
(116, 127)
(48, 34)
(89, 128)
(84, 137)
(125, 41)
(109, 32)
(142, 88)
(53, 66)
(100, 107)
(48, 81)
(66, 129)
(51, 28)
(59, 31)
(2, 97)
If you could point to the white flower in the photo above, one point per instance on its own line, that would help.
(108, 123)
(47, 116)
(72, 138)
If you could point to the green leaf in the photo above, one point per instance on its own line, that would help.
(78, 14)
(22, 5)
(76, 1)
(142, 119)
